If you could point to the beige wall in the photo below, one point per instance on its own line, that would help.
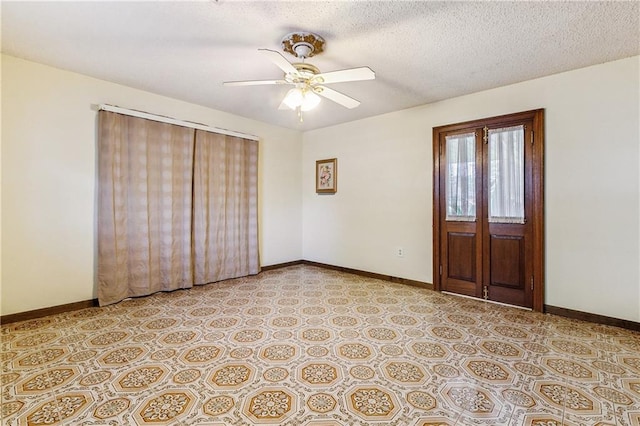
(384, 194)
(48, 180)
(592, 187)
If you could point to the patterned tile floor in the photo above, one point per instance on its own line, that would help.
(308, 346)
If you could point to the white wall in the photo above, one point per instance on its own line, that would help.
(383, 200)
(592, 186)
(384, 189)
(48, 180)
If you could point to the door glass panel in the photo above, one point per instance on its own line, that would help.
(506, 175)
(460, 179)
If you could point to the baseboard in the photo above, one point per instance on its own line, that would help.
(595, 318)
(367, 274)
(281, 265)
(351, 271)
(555, 310)
(70, 307)
(563, 312)
(39, 313)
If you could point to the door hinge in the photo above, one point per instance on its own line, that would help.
(532, 137)
(485, 292)
(531, 283)
(486, 134)
(440, 270)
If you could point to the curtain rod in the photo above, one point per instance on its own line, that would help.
(169, 120)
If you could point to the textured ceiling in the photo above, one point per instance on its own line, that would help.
(421, 51)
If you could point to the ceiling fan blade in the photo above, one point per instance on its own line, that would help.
(352, 74)
(253, 82)
(279, 60)
(337, 97)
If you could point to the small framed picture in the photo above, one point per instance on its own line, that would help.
(327, 176)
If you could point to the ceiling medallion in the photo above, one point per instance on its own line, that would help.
(303, 44)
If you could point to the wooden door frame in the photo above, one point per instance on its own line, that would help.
(537, 116)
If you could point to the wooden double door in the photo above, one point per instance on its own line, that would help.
(488, 212)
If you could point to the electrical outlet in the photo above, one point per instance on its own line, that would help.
(400, 252)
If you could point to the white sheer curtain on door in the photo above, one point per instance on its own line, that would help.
(460, 178)
(506, 175)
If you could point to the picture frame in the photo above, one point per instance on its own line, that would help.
(327, 176)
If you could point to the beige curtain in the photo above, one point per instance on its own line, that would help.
(144, 207)
(225, 225)
(158, 228)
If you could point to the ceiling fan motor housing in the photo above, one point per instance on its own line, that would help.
(303, 44)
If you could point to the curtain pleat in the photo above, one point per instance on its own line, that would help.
(158, 228)
(144, 207)
(225, 221)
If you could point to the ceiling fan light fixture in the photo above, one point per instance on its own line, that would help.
(310, 101)
(294, 98)
(306, 100)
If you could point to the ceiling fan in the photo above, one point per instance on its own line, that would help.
(307, 79)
